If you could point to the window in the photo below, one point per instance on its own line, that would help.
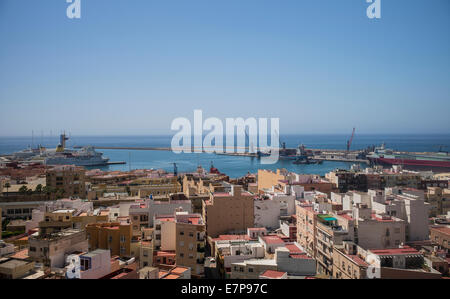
(250, 270)
(122, 239)
(191, 234)
(110, 239)
(181, 233)
(181, 243)
(181, 254)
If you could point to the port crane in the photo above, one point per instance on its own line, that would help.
(349, 142)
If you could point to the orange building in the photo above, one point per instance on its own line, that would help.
(115, 236)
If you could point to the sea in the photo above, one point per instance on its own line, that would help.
(233, 166)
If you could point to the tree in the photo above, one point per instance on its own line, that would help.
(60, 193)
(38, 189)
(23, 190)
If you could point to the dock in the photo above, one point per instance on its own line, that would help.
(116, 163)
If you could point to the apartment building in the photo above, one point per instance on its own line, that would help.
(306, 227)
(439, 200)
(67, 181)
(280, 178)
(409, 205)
(95, 264)
(440, 235)
(347, 264)
(329, 233)
(6, 248)
(115, 236)
(235, 251)
(141, 187)
(290, 259)
(166, 208)
(184, 234)
(11, 268)
(402, 262)
(267, 212)
(229, 212)
(52, 249)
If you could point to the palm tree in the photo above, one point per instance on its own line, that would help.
(7, 186)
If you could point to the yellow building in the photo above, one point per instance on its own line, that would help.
(183, 233)
(67, 181)
(267, 178)
(115, 236)
(228, 212)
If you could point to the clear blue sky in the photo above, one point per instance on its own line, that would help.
(131, 67)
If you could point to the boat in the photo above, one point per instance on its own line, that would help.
(86, 156)
(304, 160)
(384, 156)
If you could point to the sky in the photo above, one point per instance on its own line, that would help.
(131, 67)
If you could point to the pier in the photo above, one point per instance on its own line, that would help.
(333, 155)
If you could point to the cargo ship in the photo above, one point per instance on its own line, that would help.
(383, 156)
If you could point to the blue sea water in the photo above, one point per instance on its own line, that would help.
(231, 165)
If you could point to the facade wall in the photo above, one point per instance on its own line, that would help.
(113, 236)
(267, 178)
(69, 179)
(374, 234)
(306, 229)
(189, 247)
(228, 214)
(267, 213)
(345, 268)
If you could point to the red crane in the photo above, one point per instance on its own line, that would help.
(349, 143)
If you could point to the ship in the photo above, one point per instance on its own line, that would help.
(86, 156)
(430, 161)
